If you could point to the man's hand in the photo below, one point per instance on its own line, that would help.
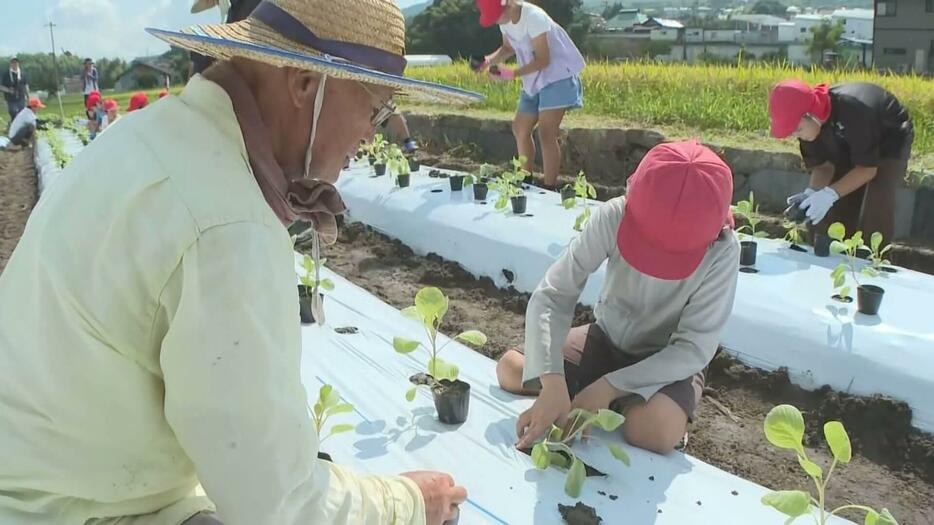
(798, 198)
(552, 406)
(440, 493)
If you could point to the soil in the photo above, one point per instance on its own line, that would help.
(18, 194)
(893, 463)
(579, 514)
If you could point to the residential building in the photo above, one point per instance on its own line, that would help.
(857, 23)
(144, 74)
(804, 23)
(903, 38)
(625, 20)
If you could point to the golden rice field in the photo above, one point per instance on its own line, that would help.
(710, 97)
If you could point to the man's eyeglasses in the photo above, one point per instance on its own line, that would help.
(381, 114)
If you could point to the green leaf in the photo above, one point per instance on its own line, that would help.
(575, 479)
(836, 231)
(762, 235)
(555, 433)
(784, 427)
(342, 408)
(791, 503)
(540, 456)
(845, 291)
(839, 281)
(559, 460)
(872, 518)
(439, 369)
(340, 429)
(619, 453)
(608, 420)
(403, 345)
(410, 394)
(569, 203)
(813, 469)
(886, 518)
(318, 409)
(329, 397)
(474, 337)
(591, 191)
(327, 284)
(431, 304)
(884, 250)
(838, 440)
(838, 247)
(838, 271)
(411, 313)
(875, 241)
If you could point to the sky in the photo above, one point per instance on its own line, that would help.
(96, 28)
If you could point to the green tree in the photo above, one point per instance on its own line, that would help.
(769, 7)
(146, 81)
(109, 70)
(826, 37)
(180, 61)
(612, 10)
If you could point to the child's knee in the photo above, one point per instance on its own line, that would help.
(509, 370)
(658, 431)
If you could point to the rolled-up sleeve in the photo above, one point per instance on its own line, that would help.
(692, 346)
(233, 395)
(551, 308)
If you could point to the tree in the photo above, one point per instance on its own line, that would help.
(612, 10)
(826, 38)
(109, 70)
(180, 61)
(769, 7)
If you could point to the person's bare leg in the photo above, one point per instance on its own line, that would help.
(509, 373)
(657, 425)
(549, 128)
(522, 127)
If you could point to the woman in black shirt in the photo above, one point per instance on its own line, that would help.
(855, 139)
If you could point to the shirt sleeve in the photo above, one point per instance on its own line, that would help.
(551, 308)
(233, 395)
(537, 23)
(693, 344)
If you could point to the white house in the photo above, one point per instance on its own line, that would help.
(804, 23)
(857, 23)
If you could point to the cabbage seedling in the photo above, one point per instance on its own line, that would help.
(328, 405)
(582, 190)
(878, 252)
(396, 161)
(784, 428)
(555, 450)
(377, 146)
(430, 307)
(309, 277)
(509, 183)
(749, 211)
(794, 234)
(485, 172)
(848, 248)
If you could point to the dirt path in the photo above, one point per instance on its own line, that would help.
(899, 475)
(17, 197)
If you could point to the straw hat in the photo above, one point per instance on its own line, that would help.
(361, 40)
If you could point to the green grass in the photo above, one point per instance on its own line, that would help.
(73, 103)
(711, 100)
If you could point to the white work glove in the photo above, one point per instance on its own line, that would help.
(798, 198)
(818, 204)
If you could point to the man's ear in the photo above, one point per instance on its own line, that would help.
(303, 85)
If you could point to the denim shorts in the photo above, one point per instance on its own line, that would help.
(562, 94)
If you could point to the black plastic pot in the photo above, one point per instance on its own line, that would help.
(518, 204)
(414, 165)
(822, 245)
(380, 169)
(747, 253)
(325, 456)
(480, 190)
(567, 193)
(306, 313)
(403, 180)
(452, 401)
(796, 214)
(371, 159)
(863, 253)
(869, 299)
(359, 155)
(457, 182)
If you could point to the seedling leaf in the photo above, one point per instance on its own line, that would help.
(875, 241)
(836, 231)
(474, 337)
(318, 409)
(540, 456)
(838, 440)
(559, 460)
(792, 503)
(431, 304)
(608, 420)
(762, 235)
(838, 247)
(341, 428)
(813, 469)
(410, 394)
(442, 370)
(845, 291)
(619, 453)
(575, 479)
(342, 408)
(403, 345)
(569, 203)
(327, 284)
(784, 427)
(411, 313)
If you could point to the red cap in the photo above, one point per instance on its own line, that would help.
(677, 202)
(164, 93)
(93, 98)
(790, 100)
(35, 103)
(110, 104)
(490, 11)
(139, 100)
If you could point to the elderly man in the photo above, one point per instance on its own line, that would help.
(15, 88)
(150, 340)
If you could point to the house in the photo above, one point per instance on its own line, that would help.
(144, 74)
(804, 23)
(625, 20)
(903, 35)
(857, 23)
(765, 29)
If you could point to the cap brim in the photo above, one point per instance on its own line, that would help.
(225, 48)
(784, 129)
(651, 260)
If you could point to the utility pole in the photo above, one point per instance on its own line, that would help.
(58, 79)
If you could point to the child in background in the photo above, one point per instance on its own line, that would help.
(111, 113)
(139, 100)
(93, 112)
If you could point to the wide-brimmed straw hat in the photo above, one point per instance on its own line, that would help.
(361, 40)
